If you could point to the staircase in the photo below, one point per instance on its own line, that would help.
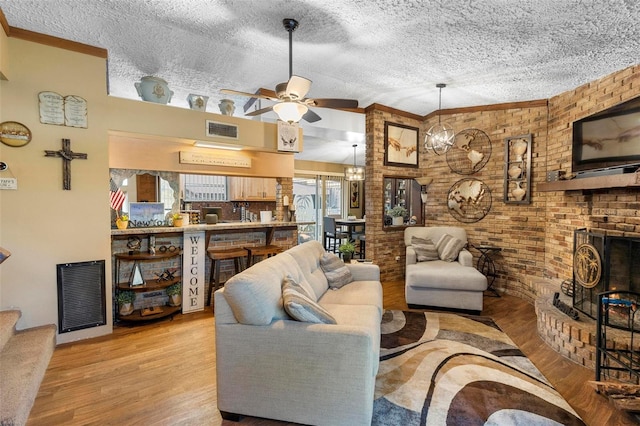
(24, 357)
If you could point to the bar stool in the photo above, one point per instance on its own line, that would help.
(362, 249)
(332, 236)
(237, 254)
(264, 251)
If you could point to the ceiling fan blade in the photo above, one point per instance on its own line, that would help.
(250, 95)
(333, 103)
(297, 87)
(259, 111)
(311, 117)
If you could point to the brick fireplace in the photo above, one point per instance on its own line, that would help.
(603, 263)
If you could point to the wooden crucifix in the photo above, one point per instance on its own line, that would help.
(67, 155)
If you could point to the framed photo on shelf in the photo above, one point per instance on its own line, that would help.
(400, 145)
(354, 195)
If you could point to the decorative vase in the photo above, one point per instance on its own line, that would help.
(519, 148)
(178, 222)
(126, 309)
(197, 102)
(226, 107)
(518, 192)
(122, 224)
(347, 257)
(514, 172)
(397, 220)
(154, 89)
(175, 300)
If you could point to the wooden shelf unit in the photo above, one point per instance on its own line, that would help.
(150, 285)
(625, 180)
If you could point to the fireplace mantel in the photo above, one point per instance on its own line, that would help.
(626, 180)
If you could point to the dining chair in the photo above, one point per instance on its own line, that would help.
(332, 237)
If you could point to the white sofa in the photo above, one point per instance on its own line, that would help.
(437, 283)
(269, 365)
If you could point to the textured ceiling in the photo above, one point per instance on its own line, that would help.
(391, 52)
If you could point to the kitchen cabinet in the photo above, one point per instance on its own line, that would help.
(252, 189)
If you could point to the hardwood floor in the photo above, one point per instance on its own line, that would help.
(164, 373)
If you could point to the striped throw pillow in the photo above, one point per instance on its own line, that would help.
(425, 249)
(449, 247)
(300, 307)
(337, 273)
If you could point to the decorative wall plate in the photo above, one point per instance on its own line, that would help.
(469, 200)
(470, 151)
(587, 265)
(14, 134)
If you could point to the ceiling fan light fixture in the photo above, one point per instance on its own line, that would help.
(441, 136)
(354, 173)
(291, 112)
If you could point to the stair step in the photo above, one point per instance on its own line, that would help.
(23, 362)
(8, 320)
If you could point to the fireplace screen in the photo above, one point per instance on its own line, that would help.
(603, 263)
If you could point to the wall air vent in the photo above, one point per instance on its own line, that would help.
(221, 130)
(81, 295)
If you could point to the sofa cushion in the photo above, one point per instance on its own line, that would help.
(449, 247)
(355, 293)
(425, 249)
(335, 270)
(301, 307)
(307, 256)
(439, 274)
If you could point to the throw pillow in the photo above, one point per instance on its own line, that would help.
(449, 247)
(301, 308)
(337, 273)
(302, 287)
(425, 249)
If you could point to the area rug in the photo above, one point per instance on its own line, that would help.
(453, 369)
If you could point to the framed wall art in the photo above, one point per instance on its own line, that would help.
(400, 145)
(354, 195)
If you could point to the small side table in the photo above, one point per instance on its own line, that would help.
(487, 266)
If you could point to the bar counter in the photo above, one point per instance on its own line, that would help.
(223, 226)
(192, 243)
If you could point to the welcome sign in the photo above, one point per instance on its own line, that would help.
(193, 264)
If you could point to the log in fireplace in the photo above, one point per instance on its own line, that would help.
(603, 263)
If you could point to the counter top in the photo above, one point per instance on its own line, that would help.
(204, 227)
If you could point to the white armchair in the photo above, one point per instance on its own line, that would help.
(454, 285)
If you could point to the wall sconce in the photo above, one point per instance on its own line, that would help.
(424, 183)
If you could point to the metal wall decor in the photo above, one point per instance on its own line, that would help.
(470, 152)
(469, 200)
(517, 170)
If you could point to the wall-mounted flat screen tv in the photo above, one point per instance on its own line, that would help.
(610, 138)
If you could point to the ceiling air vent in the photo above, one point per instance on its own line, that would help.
(221, 130)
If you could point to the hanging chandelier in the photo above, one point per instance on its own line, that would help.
(354, 173)
(440, 137)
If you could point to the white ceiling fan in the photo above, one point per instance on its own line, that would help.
(291, 104)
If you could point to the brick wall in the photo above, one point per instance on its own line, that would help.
(537, 239)
(615, 211)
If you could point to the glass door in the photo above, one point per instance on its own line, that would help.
(314, 198)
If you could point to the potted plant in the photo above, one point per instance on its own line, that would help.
(177, 219)
(125, 302)
(347, 249)
(397, 213)
(122, 221)
(174, 291)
